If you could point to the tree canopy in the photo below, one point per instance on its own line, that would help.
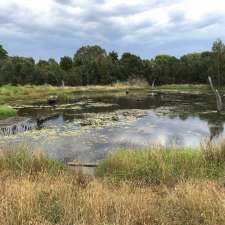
(93, 65)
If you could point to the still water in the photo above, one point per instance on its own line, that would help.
(88, 129)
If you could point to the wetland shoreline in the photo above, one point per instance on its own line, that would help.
(136, 184)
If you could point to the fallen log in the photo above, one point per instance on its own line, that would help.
(89, 165)
(15, 125)
(42, 119)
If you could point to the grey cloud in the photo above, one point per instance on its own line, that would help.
(93, 23)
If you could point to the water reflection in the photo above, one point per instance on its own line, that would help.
(169, 119)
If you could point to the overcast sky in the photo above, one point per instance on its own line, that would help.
(54, 28)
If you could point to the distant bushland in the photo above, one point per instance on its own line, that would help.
(92, 65)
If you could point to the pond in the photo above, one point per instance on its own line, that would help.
(87, 129)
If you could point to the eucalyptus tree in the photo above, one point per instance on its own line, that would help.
(3, 53)
(66, 63)
(17, 70)
(132, 66)
(164, 68)
(218, 50)
(49, 72)
(89, 54)
(90, 60)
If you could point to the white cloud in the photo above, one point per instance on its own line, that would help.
(143, 26)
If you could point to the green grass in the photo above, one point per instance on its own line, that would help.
(164, 166)
(22, 161)
(184, 87)
(6, 111)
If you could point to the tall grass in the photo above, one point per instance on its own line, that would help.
(37, 190)
(165, 166)
(22, 160)
(57, 200)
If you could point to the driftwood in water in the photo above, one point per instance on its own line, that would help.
(42, 119)
(217, 94)
(15, 125)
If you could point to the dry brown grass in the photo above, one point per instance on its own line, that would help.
(45, 200)
(35, 190)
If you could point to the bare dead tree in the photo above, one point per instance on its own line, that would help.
(153, 84)
(217, 94)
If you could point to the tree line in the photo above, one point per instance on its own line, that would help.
(93, 65)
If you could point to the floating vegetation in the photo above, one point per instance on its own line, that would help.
(111, 119)
(99, 104)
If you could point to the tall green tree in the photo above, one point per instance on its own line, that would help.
(218, 50)
(3, 53)
(114, 56)
(164, 69)
(66, 63)
(90, 60)
(49, 72)
(17, 70)
(132, 66)
(89, 54)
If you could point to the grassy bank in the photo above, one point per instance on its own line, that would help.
(41, 191)
(197, 88)
(10, 93)
(6, 111)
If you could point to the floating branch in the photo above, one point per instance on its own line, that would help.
(217, 94)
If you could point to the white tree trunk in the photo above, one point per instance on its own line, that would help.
(218, 97)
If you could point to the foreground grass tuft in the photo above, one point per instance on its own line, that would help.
(22, 161)
(165, 166)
